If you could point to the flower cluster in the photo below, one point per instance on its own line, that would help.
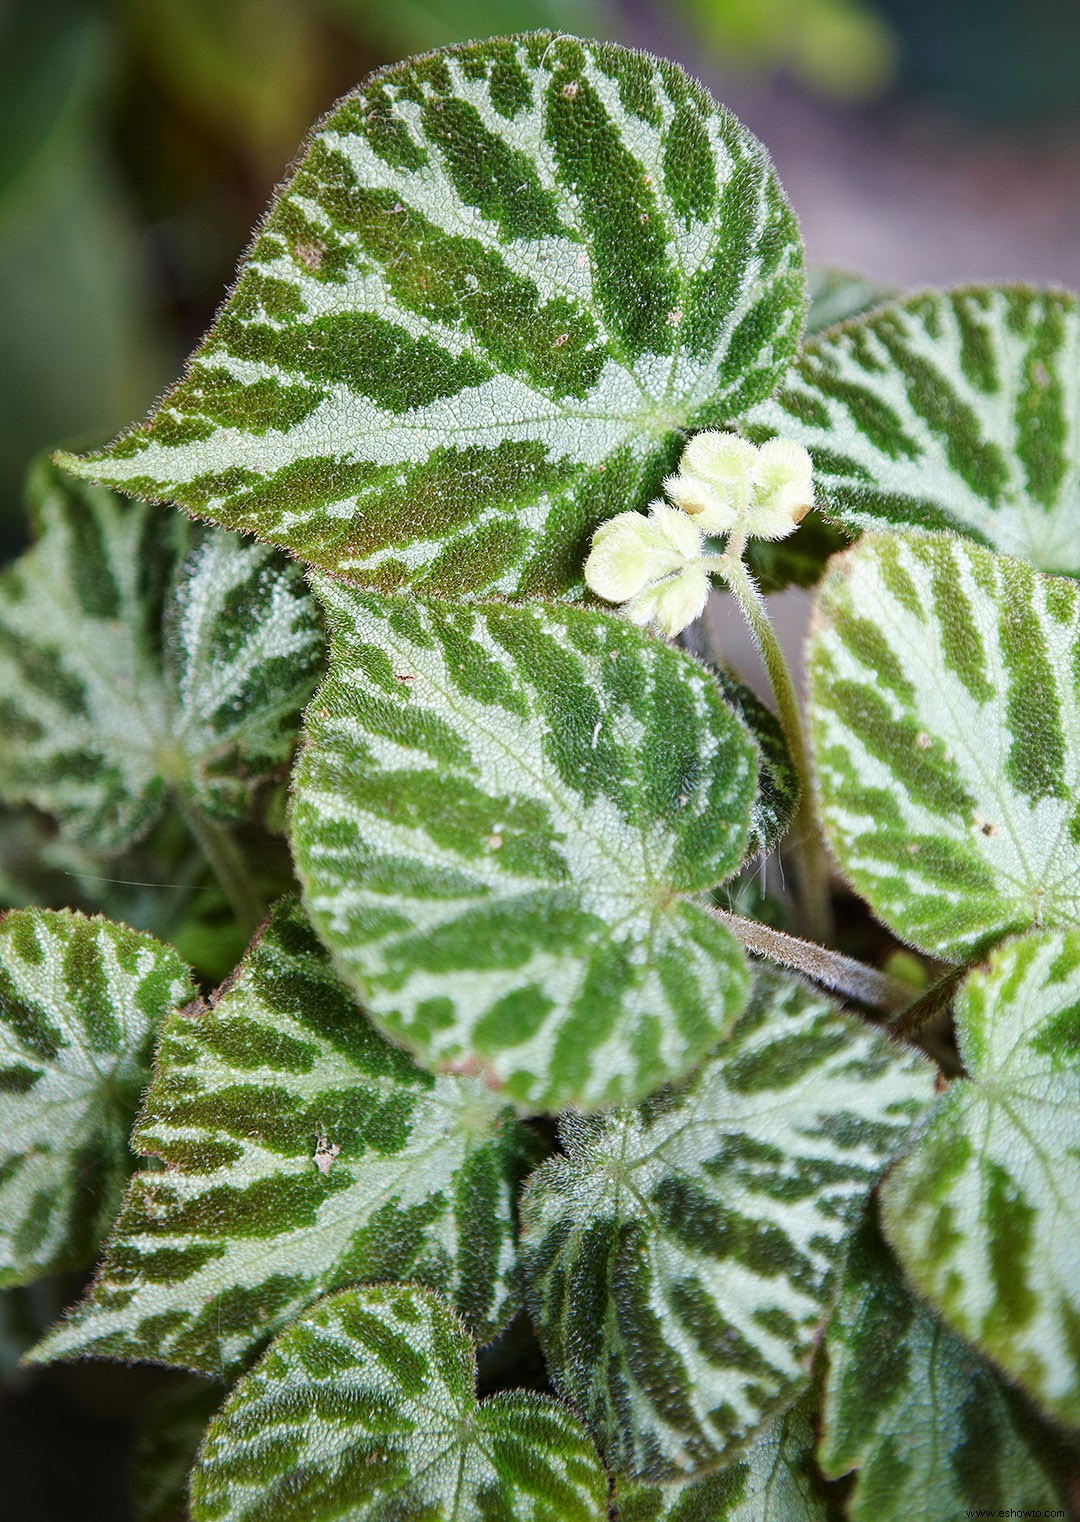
(657, 565)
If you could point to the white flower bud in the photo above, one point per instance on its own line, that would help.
(725, 483)
(672, 605)
(714, 479)
(783, 489)
(651, 565)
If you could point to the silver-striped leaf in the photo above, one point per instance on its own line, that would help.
(773, 810)
(776, 1480)
(302, 1153)
(984, 1213)
(929, 1428)
(80, 1000)
(366, 1410)
(945, 721)
(502, 283)
(947, 410)
(499, 814)
(681, 1257)
(140, 657)
(243, 650)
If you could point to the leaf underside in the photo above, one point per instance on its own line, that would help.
(79, 1003)
(498, 816)
(366, 1408)
(985, 1211)
(945, 721)
(502, 282)
(931, 1430)
(140, 656)
(680, 1257)
(302, 1154)
(956, 410)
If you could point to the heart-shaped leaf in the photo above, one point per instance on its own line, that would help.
(945, 721)
(139, 658)
(952, 410)
(502, 283)
(776, 1480)
(301, 1153)
(366, 1408)
(681, 1257)
(985, 1211)
(930, 1429)
(498, 816)
(79, 1003)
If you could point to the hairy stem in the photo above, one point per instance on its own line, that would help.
(811, 857)
(228, 866)
(843, 974)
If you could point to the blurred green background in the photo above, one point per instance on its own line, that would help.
(921, 141)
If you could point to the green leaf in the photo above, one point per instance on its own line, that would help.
(243, 650)
(366, 1408)
(301, 1153)
(139, 658)
(945, 721)
(930, 1428)
(680, 1257)
(776, 1480)
(80, 1000)
(497, 815)
(947, 411)
(985, 1212)
(774, 807)
(503, 282)
(166, 1442)
(839, 295)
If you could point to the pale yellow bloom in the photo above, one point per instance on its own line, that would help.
(714, 481)
(652, 565)
(725, 483)
(783, 491)
(656, 566)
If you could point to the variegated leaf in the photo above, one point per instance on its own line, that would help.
(947, 411)
(776, 1480)
(503, 281)
(945, 720)
(774, 807)
(930, 1429)
(243, 650)
(139, 657)
(680, 1257)
(985, 1212)
(301, 1153)
(498, 816)
(366, 1409)
(80, 1000)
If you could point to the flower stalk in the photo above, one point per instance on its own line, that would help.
(658, 567)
